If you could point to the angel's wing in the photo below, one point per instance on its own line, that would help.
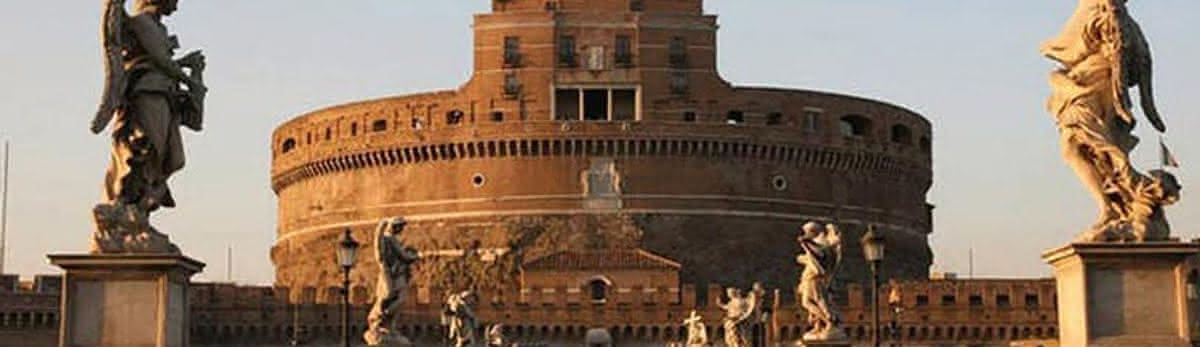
(382, 251)
(1139, 70)
(112, 30)
(834, 237)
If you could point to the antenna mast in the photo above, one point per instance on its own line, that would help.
(229, 264)
(4, 212)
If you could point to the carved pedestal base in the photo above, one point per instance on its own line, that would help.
(824, 343)
(385, 338)
(1122, 294)
(125, 300)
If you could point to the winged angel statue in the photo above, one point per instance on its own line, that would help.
(821, 256)
(148, 95)
(1102, 55)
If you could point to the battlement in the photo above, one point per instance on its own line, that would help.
(985, 312)
(618, 6)
(980, 310)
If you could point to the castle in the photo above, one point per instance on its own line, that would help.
(604, 124)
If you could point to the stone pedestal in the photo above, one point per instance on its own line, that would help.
(1125, 294)
(830, 343)
(125, 300)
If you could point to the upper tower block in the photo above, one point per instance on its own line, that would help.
(653, 6)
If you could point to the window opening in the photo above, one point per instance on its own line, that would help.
(512, 51)
(566, 51)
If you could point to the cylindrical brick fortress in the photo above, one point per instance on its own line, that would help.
(612, 125)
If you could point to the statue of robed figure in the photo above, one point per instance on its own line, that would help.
(395, 274)
(820, 256)
(1102, 55)
(148, 95)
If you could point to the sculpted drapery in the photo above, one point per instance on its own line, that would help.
(1103, 54)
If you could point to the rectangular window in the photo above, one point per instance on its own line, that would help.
(624, 104)
(976, 300)
(623, 55)
(512, 85)
(566, 51)
(774, 118)
(811, 121)
(678, 53)
(922, 300)
(689, 116)
(1003, 300)
(595, 104)
(679, 82)
(948, 300)
(512, 51)
(566, 104)
(735, 117)
(635, 5)
(1031, 300)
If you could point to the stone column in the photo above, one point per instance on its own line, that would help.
(1122, 294)
(125, 299)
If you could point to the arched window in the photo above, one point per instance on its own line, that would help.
(598, 289)
(454, 117)
(901, 134)
(288, 145)
(855, 126)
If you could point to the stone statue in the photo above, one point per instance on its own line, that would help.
(395, 262)
(739, 316)
(148, 95)
(1103, 54)
(820, 257)
(495, 336)
(460, 318)
(697, 333)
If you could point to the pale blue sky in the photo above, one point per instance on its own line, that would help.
(970, 66)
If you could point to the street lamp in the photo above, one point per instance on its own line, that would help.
(346, 250)
(872, 246)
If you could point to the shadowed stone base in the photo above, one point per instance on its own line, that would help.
(1122, 294)
(125, 299)
(830, 343)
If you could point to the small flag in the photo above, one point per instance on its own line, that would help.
(1168, 159)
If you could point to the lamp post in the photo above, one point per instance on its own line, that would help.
(346, 250)
(872, 246)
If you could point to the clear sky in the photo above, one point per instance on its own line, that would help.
(970, 66)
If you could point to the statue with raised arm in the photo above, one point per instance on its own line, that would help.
(395, 261)
(148, 95)
(820, 256)
(697, 333)
(1102, 55)
(739, 314)
(460, 319)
